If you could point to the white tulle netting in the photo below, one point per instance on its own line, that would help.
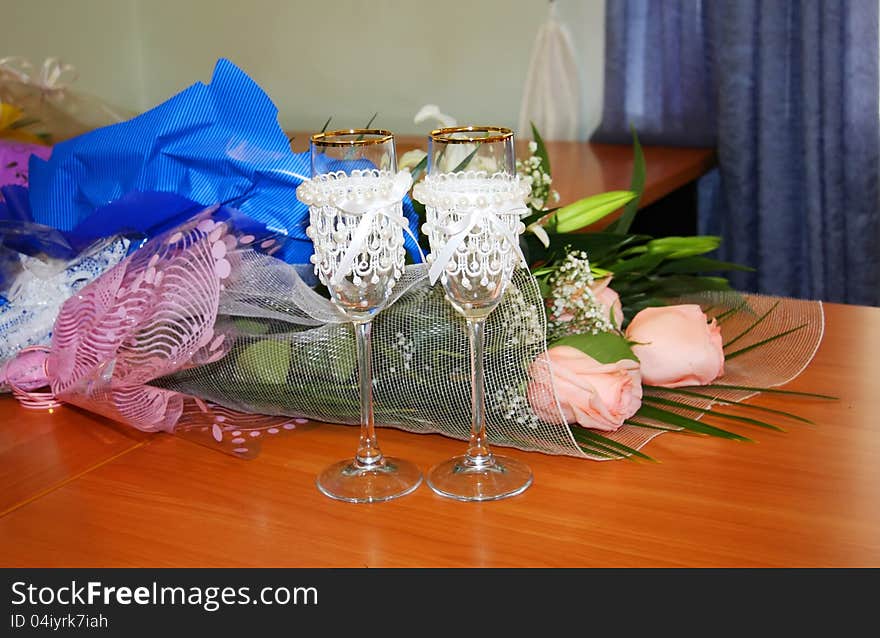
(291, 352)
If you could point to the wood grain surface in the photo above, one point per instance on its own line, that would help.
(83, 493)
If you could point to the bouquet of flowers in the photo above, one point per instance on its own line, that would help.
(216, 318)
(41, 261)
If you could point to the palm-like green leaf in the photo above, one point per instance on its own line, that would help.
(749, 388)
(592, 441)
(717, 399)
(692, 425)
(715, 413)
(699, 264)
(742, 351)
(730, 312)
(652, 426)
(754, 325)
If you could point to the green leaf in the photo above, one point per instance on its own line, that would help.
(544, 288)
(266, 361)
(737, 353)
(591, 439)
(361, 136)
(251, 326)
(546, 270)
(466, 161)
(715, 413)
(753, 326)
(637, 185)
(634, 250)
(692, 425)
(541, 151)
(315, 359)
(748, 388)
(601, 246)
(23, 122)
(697, 264)
(605, 347)
(682, 247)
(651, 426)
(588, 210)
(642, 264)
(732, 311)
(678, 285)
(717, 399)
(419, 168)
(538, 215)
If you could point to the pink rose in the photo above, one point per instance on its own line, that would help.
(595, 395)
(609, 300)
(678, 346)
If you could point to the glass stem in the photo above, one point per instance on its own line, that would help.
(478, 449)
(368, 454)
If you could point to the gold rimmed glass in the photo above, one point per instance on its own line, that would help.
(356, 225)
(473, 201)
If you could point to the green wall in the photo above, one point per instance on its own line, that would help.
(345, 58)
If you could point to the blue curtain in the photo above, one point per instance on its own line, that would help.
(788, 91)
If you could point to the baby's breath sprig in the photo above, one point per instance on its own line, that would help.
(572, 306)
(532, 171)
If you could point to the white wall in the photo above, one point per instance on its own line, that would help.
(345, 58)
(96, 36)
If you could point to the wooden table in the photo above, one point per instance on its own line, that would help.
(80, 491)
(581, 169)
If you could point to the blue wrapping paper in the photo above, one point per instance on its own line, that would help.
(210, 144)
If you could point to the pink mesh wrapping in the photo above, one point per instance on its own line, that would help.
(152, 314)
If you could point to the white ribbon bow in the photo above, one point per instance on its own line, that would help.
(459, 231)
(54, 75)
(368, 211)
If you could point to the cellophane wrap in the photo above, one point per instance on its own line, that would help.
(55, 110)
(202, 330)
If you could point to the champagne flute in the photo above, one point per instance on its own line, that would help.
(356, 224)
(473, 201)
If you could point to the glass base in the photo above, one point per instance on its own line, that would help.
(462, 480)
(345, 481)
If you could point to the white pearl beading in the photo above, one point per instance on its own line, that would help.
(473, 220)
(357, 225)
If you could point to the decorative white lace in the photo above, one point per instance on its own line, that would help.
(357, 225)
(473, 220)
